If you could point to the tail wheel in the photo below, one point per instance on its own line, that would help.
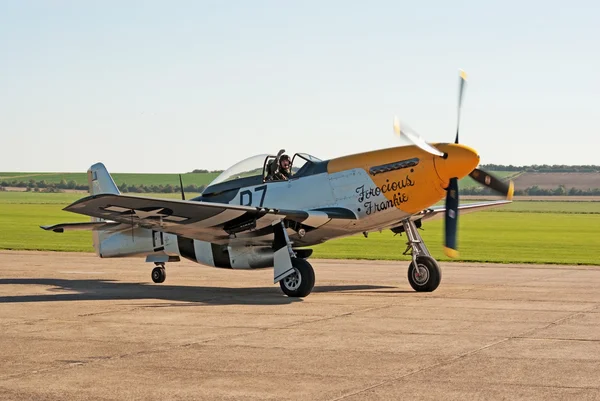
(301, 282)
(426, 276)
(159, 274)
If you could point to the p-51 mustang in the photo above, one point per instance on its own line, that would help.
(252, 216)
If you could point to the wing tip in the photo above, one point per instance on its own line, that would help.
(511, 191)
(451, 253)
(54, 227)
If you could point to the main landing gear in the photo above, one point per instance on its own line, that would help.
(424, 274)
(159, 274)
(295, 275)
(301, 282)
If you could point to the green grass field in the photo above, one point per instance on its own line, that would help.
(524, 232)
(490, 237)
(21, 214)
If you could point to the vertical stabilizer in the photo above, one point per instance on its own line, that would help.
(100, 181)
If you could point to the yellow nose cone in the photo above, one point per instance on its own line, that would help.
(460, 161)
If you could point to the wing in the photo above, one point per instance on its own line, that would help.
(206, 221)
(438, 211)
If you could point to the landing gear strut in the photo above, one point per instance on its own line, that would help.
(424, 274)
(159, 273)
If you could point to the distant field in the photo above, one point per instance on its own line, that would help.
(553, 180)
(538, 198)
(120, 178)
(529, 232)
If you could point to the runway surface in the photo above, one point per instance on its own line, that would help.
(77, 327)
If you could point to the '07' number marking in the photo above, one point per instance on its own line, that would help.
(246, 196)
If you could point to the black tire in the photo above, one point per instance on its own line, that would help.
(301, 282)
(159, 274)
(430, 278)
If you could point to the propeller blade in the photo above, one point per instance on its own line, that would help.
(181, 186)
(415, 138)
(451, 219)
(461, 86)
(488, 180)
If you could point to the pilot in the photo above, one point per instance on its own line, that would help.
(282, 169)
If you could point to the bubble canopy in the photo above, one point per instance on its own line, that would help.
(254, 166)
(248, 167)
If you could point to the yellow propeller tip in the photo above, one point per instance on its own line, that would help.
(463, 75)
(451, 253)
(396, 126)
(511, 191)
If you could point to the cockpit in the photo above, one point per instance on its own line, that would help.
(263, 166)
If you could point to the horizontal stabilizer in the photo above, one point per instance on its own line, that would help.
(91, 225)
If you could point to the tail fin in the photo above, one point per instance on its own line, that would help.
(100, 181)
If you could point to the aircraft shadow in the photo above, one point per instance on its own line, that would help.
(361, 289)
(96, 290)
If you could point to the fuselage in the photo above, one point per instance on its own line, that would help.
(380, 188)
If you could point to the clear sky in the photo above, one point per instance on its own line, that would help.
(148, 86)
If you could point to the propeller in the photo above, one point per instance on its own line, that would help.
(488, 180)
(452, 194)
(451, 213)
(181, 186)
(461, 88)
(451, 219)
(415, 138)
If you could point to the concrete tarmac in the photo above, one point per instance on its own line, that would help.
(73, 326)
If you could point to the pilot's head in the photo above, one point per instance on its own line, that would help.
(285, 162)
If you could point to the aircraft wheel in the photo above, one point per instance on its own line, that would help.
(428, 275)
(159, 274)
(301, 282)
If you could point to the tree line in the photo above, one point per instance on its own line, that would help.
(164, 189)
(204, 171)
